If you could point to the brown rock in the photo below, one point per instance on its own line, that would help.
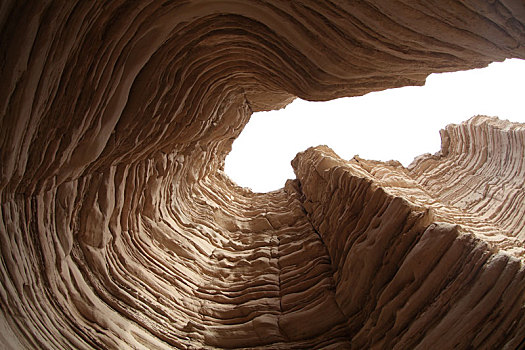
(119, 229)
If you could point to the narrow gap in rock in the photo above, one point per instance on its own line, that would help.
(397, 124)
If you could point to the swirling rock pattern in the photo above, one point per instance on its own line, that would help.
(120, 230)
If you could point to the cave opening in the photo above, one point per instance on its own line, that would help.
(395, 124)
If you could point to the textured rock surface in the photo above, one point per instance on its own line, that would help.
(119, 229)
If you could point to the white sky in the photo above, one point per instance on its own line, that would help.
(392, 124)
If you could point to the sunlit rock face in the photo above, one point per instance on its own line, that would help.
(120, 230)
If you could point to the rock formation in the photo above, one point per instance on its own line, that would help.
(119, 229)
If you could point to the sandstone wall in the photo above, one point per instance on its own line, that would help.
(120, 230)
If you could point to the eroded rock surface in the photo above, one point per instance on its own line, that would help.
(119, 229)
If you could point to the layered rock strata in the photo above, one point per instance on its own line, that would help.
(413, 267)
(118, 228)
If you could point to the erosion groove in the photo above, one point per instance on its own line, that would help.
(119, 229)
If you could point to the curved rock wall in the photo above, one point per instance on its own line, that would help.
(480, 170)
(119, 229)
